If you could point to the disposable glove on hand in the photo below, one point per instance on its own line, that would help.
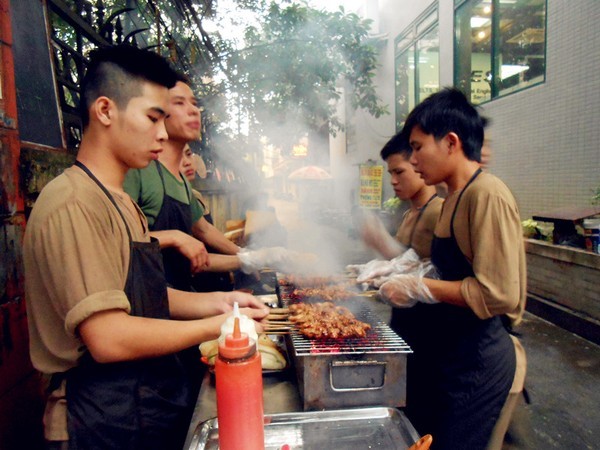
(373, 269)
(404, 291)
(278, 258)
(376, 269)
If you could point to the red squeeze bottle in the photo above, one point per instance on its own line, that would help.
(238, 373)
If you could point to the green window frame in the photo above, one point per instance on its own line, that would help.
(499, 47)
(416, 63)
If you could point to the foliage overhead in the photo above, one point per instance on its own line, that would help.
(283, 70)
(293, 65)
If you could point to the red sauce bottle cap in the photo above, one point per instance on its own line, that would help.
(237, 345)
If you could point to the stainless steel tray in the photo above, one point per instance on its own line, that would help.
(361, 428)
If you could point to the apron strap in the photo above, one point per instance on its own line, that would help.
(108, 194)
(475, 175)
(421, 211)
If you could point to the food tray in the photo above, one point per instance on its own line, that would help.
(347, 429)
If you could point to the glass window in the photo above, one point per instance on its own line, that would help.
(416, 64)
(500, 46)
(405, 85)
(428, 61)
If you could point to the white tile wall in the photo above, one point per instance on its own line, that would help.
(545, 139)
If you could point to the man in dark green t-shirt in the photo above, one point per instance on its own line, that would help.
(176, 219)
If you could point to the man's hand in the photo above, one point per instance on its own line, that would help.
(404, 291)
(190, 247)
(249, 306)
(194, 250)
(256, 309)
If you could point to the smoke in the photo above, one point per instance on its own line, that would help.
(309, 216)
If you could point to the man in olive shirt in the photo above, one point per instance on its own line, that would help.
(465, 363)
(176, 218)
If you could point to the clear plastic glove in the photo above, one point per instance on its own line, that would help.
(376, 236)
(405, 290)
(373, 269)
(278, 258)
(407, 262)
(377, 270)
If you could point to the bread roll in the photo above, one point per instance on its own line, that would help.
(271, 357)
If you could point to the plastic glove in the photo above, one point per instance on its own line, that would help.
(407, 262)
(404, 291)
(278, 258)
(376, 236)
(378, 269)
(373, 269)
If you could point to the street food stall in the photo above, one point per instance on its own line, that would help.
(344, 380)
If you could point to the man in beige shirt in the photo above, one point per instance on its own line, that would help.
(465, 362)
(102, 323)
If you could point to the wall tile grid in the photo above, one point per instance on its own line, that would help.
(545, 139)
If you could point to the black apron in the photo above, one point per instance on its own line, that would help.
(397, 312)
(133, 404)
(175, 215)
(462, 368)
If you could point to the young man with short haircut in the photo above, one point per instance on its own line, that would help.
(465, 362)
(100, 314)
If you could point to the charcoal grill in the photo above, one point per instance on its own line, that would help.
(341, 373)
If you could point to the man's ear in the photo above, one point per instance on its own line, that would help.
(103, 110)
(452, 141)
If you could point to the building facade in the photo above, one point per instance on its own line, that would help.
(534, 75)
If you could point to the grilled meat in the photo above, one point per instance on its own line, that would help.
(326, 321)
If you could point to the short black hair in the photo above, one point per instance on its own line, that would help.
(118, 72)
(180, 76)
(449, 111)
(397, 145)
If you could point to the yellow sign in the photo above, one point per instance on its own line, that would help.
(299, 151)
(371, 186)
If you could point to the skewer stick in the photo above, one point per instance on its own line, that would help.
(276, 326)
(277, 317)
(369, 292)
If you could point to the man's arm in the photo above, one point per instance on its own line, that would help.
(210, 235)
(223, 263)
(193, 305)
(446, 291)
(114, 335)
(405, 290)
(187, 245)
(498, 286)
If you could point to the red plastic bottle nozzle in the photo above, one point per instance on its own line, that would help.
(237, 333)
(237, 344)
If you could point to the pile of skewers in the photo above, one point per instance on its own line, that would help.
(316, 321)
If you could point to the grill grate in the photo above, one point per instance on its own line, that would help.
(379, 339)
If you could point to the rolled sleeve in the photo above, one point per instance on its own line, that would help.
(496, 246)
(471, 292)
(98, 302)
